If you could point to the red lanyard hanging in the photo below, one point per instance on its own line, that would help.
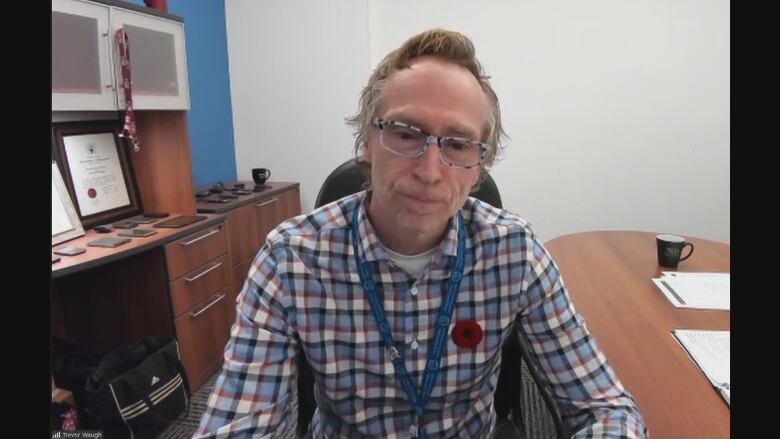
(128, 130)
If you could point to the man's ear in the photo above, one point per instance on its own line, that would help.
(364, 155)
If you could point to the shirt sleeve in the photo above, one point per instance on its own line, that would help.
(590, 398)
(251, 397)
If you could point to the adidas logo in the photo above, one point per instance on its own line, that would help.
(155, 380)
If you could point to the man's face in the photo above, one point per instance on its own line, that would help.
(422, 193)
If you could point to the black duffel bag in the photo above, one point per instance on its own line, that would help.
(72, 363)
(137, 392)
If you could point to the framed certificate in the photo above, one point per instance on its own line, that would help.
(96, 171)
(65, 224)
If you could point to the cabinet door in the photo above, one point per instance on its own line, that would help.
(267, 216)
(290, 204)
(242, 234)
(272, 211)
(158, 67)
(81, 72)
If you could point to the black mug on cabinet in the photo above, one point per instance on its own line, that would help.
(261, 175)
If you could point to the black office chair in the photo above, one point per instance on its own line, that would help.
(348, 179)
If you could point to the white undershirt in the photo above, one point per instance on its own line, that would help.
(412, 264)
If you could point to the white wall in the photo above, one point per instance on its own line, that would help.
(618, 111)
(296, 70)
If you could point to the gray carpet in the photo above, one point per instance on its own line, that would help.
(538, 421)
(186, 424)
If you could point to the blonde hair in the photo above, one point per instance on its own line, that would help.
(439, 43)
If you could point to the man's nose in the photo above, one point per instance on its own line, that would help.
(428, 166)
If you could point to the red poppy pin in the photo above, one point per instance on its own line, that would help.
(467, 334)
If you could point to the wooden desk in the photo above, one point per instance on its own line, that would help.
(110, 297)
(608, 276)
(175, 282)
(97, 256)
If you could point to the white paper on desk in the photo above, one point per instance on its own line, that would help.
(699, 274)
(690, 291)
(711, 351)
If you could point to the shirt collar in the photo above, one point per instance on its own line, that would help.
(372, 247)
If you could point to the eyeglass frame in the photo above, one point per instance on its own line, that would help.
(381, 123)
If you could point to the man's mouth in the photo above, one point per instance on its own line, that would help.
(421, 204)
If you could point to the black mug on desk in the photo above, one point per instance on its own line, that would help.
(670, 248)
(261, 175)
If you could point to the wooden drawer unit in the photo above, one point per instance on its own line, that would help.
(202, 333)
(197, 285)
(249, 220)
(192, 251)
(201, 293)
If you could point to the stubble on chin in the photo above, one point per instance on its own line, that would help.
(417, 222)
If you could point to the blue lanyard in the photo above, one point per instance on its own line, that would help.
(442, 322)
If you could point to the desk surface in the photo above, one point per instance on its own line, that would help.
(96, 256)
(608, 276)
(271, 188)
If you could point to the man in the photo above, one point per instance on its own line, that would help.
(401, 296)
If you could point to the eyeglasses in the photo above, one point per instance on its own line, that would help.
(410, 141)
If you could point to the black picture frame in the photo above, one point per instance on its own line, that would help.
(99, 176)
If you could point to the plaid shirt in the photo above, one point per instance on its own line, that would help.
(303, 292)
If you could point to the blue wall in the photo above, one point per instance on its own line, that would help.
(210, 119)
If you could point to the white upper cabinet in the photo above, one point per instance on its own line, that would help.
(86, 67)
(158, 66)
(82, 77)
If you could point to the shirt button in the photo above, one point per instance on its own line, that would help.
(408, 338)
(413, 430)
(415, 345)
(413, 291)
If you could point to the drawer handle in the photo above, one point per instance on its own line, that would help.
(206, 271)
(204, 236)
(272, 200)
(212, 303)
